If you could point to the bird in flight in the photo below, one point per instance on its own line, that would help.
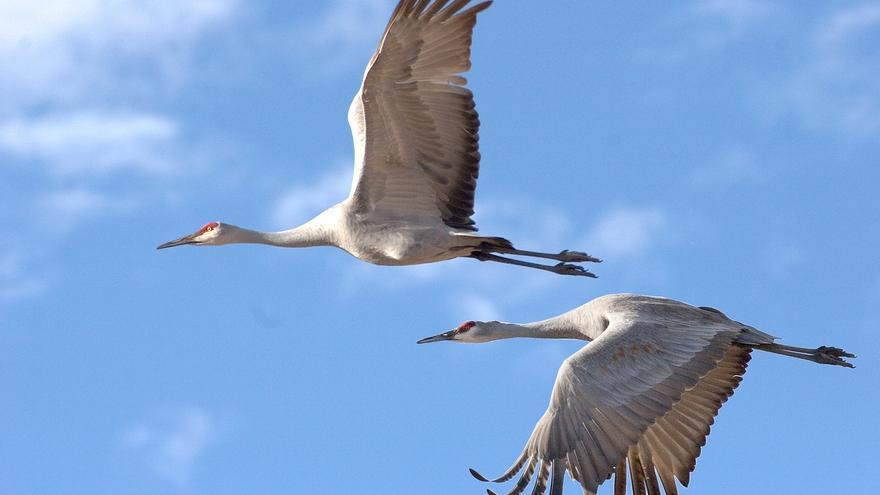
(640, 396)
(416, 156)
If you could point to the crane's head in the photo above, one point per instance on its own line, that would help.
(210, 234)
(471, 332)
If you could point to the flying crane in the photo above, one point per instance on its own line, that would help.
(416, 143)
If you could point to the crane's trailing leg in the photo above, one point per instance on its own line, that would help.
(564, 255)
(821, 355)
(560, 268)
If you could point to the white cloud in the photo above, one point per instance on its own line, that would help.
(706, 26)
(172, 442)
(80, 61)
(69, 50)
(737, 14)
(781, 257)
(92, 141)
(736, 165)
(18, 282)
(627, 232)
(849, 22)
(61, 211)
(837, 89)
(345, 34)
(530, 224)
(476, 307)
(69, 72)
(303, 201)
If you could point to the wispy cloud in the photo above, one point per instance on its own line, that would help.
(69, 70)
(18, 280)
(627, 232)
(63, 210)
(737, 15)
(781, 257)
(837, 88)
(476, 307)
(67, 51)
(79, 80)
(93, 142)
(707, 26)
(736, 165)
(170, 443)
(344, 35)
(302, 201)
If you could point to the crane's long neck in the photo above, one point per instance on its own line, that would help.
(315, 232)
(553, 328)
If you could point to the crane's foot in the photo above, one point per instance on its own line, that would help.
(833, 355)
(576, 257)
(559, 268)
(568, 269)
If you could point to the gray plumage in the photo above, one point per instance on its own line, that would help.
(640, 397)
(415, 130)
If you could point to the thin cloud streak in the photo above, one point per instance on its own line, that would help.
(302, 201)
(63, 51)
(171, 443)
(344, 35)
(627, 232)
(69, 72)
(92, 142)
(735, 165)
(18, 282)
(707, 26)
(837, 89)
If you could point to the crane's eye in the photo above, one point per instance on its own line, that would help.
(208, 227)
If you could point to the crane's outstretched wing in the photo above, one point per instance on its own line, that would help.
(413, 121)
(670, 446)
(642, 391)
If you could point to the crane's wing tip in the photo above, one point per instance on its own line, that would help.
(477, 475)
(490, 492)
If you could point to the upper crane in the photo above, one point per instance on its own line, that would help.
(415, 132)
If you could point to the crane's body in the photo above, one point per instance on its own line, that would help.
(380, 241)
(416, 144)
(640, 396)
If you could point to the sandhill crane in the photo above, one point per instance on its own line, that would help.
(415, 134)
(642, 393)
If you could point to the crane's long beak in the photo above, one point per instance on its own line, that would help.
(450, 335)
(187, 239)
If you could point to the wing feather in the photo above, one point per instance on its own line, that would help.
(414, 123)
(640, 394)
(674, 441)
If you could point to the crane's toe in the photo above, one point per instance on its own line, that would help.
(577, 257)
(834, 355)
(568, 269)
(835, 351)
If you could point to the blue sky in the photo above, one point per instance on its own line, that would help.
(721, 152)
